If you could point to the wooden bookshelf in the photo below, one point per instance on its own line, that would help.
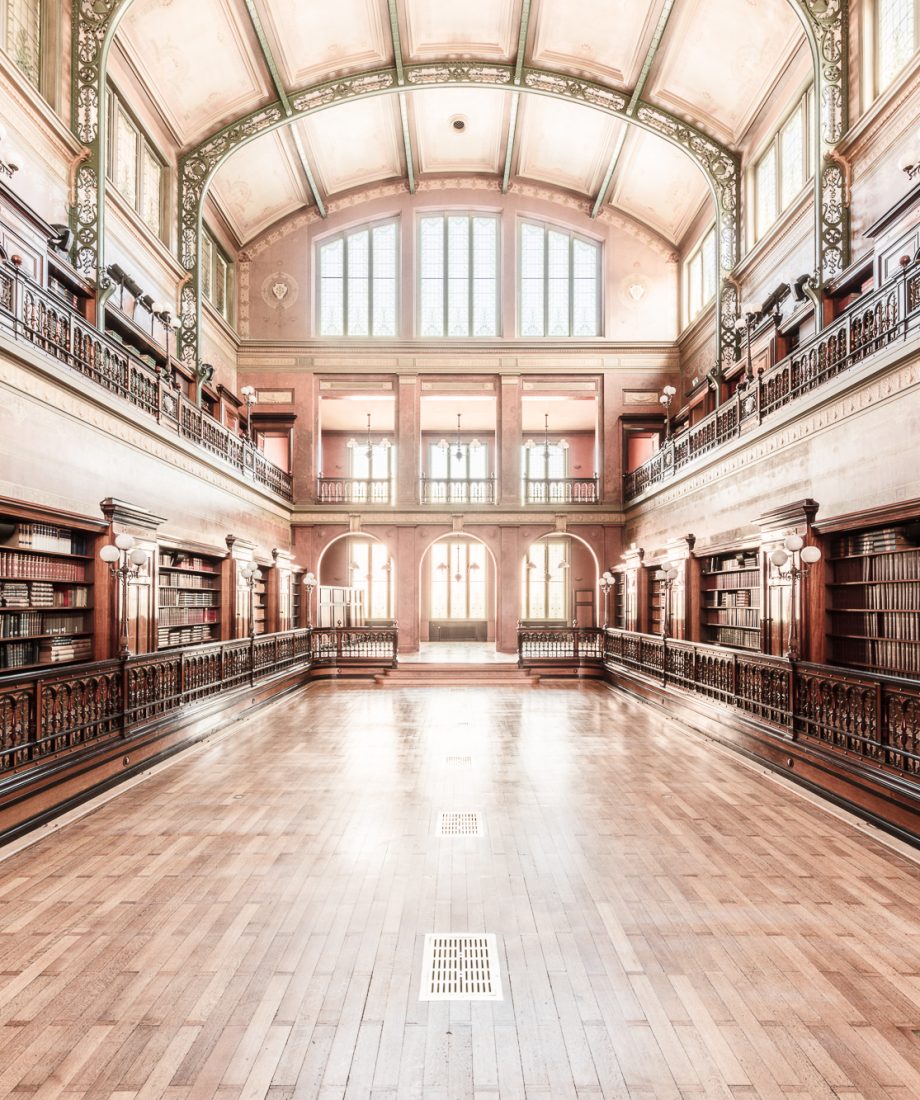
(656, 601)
(731, 590)
(296, 600)
(46, 594)
(873, 610)
(618, 610)
(188, 598)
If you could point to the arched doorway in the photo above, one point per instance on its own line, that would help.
(357, 582)
(457, 591)
(560, 579)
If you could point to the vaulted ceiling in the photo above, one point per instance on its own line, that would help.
(207, 62)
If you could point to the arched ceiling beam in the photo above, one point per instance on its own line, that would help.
(633, 104)
(516, 98)
(269, 58)
(403, 105)
(719, 165)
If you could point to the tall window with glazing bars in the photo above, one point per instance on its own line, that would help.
(358, 273)
(458, 275)
(560, 282)
(21, 36)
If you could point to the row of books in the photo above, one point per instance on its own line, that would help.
(40, 594)
(732, 564)
(16, 564)
(739, 597)
(882, 654)
(880, 597)
(732, 580)
(885, 567)
(886, 624)
(58, 650)
(44, 536)
(180, 580)
(181, 616)
(733, 616)
(30, 623)
(189, 635)
(188, 599)
(170, 560)
(872, 542)
(732, 636)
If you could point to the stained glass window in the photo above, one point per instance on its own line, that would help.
(559, 282)
(357, 282)
(216, 275)
(458, 275)
(896, 34)
(701, 274)
(783, 168)
(22, 36)
(792, 157)
(134, 167)
(766, 191)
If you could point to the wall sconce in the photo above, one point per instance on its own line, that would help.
(309, 583)
(130, 558)
(910, 162)
(10, 159)
(790, 565)
(667, 396)
(251, 574)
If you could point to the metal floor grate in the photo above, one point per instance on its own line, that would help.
(460, 968)
(459, 823)
(458, 761)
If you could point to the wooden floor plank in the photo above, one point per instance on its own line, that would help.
(248, 924)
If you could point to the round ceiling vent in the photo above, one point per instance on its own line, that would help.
(458, 124)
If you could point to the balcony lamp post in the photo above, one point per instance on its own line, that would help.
(251, 574)
(124, 560)
(607, 582)
(667, 396)
(249, 396)
(309, 583)
(790, 565)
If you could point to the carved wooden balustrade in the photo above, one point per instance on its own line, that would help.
(559, 642)
(867, 327)
(46, 322)
(48, 712)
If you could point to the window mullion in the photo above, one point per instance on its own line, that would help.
(370, 282)
(571, 287)
(469, 276)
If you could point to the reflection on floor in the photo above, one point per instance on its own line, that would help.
(249, 923)
(457, 653)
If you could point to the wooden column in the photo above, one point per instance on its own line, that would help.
(279, 595)
(636, 589)
(684, 599)
(140, 523)
(775, 526)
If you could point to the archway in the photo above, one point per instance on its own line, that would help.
(356, 576)
(458, 595)
(560, 581)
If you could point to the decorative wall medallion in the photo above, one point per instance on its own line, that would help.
(633, 289)
(280, 290)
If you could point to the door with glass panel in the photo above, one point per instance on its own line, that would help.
(458, 591)
(545, 595)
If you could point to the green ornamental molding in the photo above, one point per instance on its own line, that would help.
(96, 21)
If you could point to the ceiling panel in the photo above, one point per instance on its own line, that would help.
(486, 29)
(260, 183)
(318, 42)
(439, 414)
(720, 57)
(565, 144)
(355, 144)
(441, 148)
(164, 38)
(658, 183)
(600, 39)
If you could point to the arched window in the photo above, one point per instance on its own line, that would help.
(358, 272)
(560, 282)
(545, 581)
(458, 275)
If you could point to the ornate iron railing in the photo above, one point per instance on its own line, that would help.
(552, 643)
(443, 490)
(47, 712)
(560, 490)
(46, 322)
(869, 325)
(353, 490)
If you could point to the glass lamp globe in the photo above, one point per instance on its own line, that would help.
(137, 556)
(669, 391)
(793, 543)
(309, 578)
(779, 557)
(811, 554)
(109, 554)
(124, 541)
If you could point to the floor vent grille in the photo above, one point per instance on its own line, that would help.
(460, 968)
(459, 823)
(459, 761)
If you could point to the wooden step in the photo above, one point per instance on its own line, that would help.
(419, 673)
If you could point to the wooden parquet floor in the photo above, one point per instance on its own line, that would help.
(248, 923)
